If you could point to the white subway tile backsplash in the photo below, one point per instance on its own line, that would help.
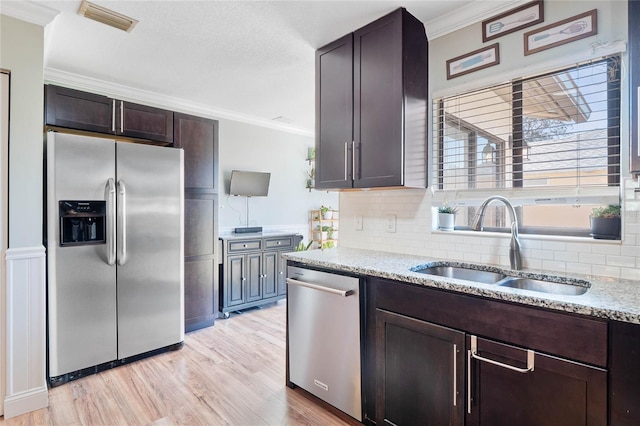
(630, 273)
(415, 234)
(578, 268)
(593, 259)
(606, 249)
(542, 254)
(566, 256)
(625, 261)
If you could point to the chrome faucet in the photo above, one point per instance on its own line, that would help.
(514, 247)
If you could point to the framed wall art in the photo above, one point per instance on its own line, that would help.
(562, 32)
(521, 17)
(473, 61)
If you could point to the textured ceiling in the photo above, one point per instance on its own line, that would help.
(253, 58)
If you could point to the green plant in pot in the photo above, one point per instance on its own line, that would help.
(326, 212)
(606, 223)
(446, 217)
(303, 247)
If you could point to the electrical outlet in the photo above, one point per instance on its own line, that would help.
(358, 223)
(391, 223)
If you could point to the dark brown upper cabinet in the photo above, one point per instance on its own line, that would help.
(78, 110)
(371, 106)
(199, 138)
(634, 84)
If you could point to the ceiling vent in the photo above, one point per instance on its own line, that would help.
(106, 16)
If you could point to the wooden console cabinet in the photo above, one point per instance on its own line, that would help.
(253, 271)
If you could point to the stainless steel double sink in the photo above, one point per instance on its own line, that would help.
(469, 273)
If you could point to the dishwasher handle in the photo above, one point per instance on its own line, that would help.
(343, 293)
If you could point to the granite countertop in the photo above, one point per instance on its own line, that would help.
(608, 298)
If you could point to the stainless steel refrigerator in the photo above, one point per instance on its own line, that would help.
(114, 252)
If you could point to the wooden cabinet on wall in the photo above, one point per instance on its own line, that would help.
(78, 110)
(517, 371)
(634, 84)
(198, 137)
(253, 270)
(371, 106)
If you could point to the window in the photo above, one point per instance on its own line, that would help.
(550, 143)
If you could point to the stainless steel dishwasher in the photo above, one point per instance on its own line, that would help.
(324, 337)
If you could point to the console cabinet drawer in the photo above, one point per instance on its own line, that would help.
(284, 242)
(247, 245)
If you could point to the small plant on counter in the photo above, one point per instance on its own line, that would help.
(446, 217)
(606, 222)
(447, 209)
(610, 211)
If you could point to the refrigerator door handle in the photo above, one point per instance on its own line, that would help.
(110, 198)
(122, 223)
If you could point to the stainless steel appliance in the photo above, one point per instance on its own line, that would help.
(114, 252)
(324, 337)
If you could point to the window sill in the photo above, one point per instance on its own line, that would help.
(563, 238)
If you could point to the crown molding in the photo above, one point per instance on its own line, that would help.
(465, 16)
(34, 13)
(130, 94)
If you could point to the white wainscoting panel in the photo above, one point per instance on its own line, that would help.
(26, 384)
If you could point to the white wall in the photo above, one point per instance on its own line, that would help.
(22, 54)
(248, 147)
(412, 208)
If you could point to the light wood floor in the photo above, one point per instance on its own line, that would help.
(229, 374)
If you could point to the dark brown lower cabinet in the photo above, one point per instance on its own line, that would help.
(554, 392)
(420, 372)
(434, 357)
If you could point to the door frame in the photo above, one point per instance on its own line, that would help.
(5, 77)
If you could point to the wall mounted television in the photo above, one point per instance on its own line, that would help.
(249, 184)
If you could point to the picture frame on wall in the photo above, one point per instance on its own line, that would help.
(571, 29)
(473, 61)
(513, 20)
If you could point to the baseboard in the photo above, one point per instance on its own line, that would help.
(24, 402)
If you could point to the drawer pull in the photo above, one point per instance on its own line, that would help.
(530, 358)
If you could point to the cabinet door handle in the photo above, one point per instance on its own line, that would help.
(113, 115)
(469, 382)
(346, 159)
(353, 160)
(121, 116)
(455, 374)
(530, 358)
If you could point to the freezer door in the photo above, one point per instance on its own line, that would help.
(81, 283)
(150, 248)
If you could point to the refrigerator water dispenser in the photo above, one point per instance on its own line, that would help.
(82, 222)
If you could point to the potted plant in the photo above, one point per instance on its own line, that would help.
(323, 233)
(302, 246)
(606, 222)
(446, 217)
(326, 212)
